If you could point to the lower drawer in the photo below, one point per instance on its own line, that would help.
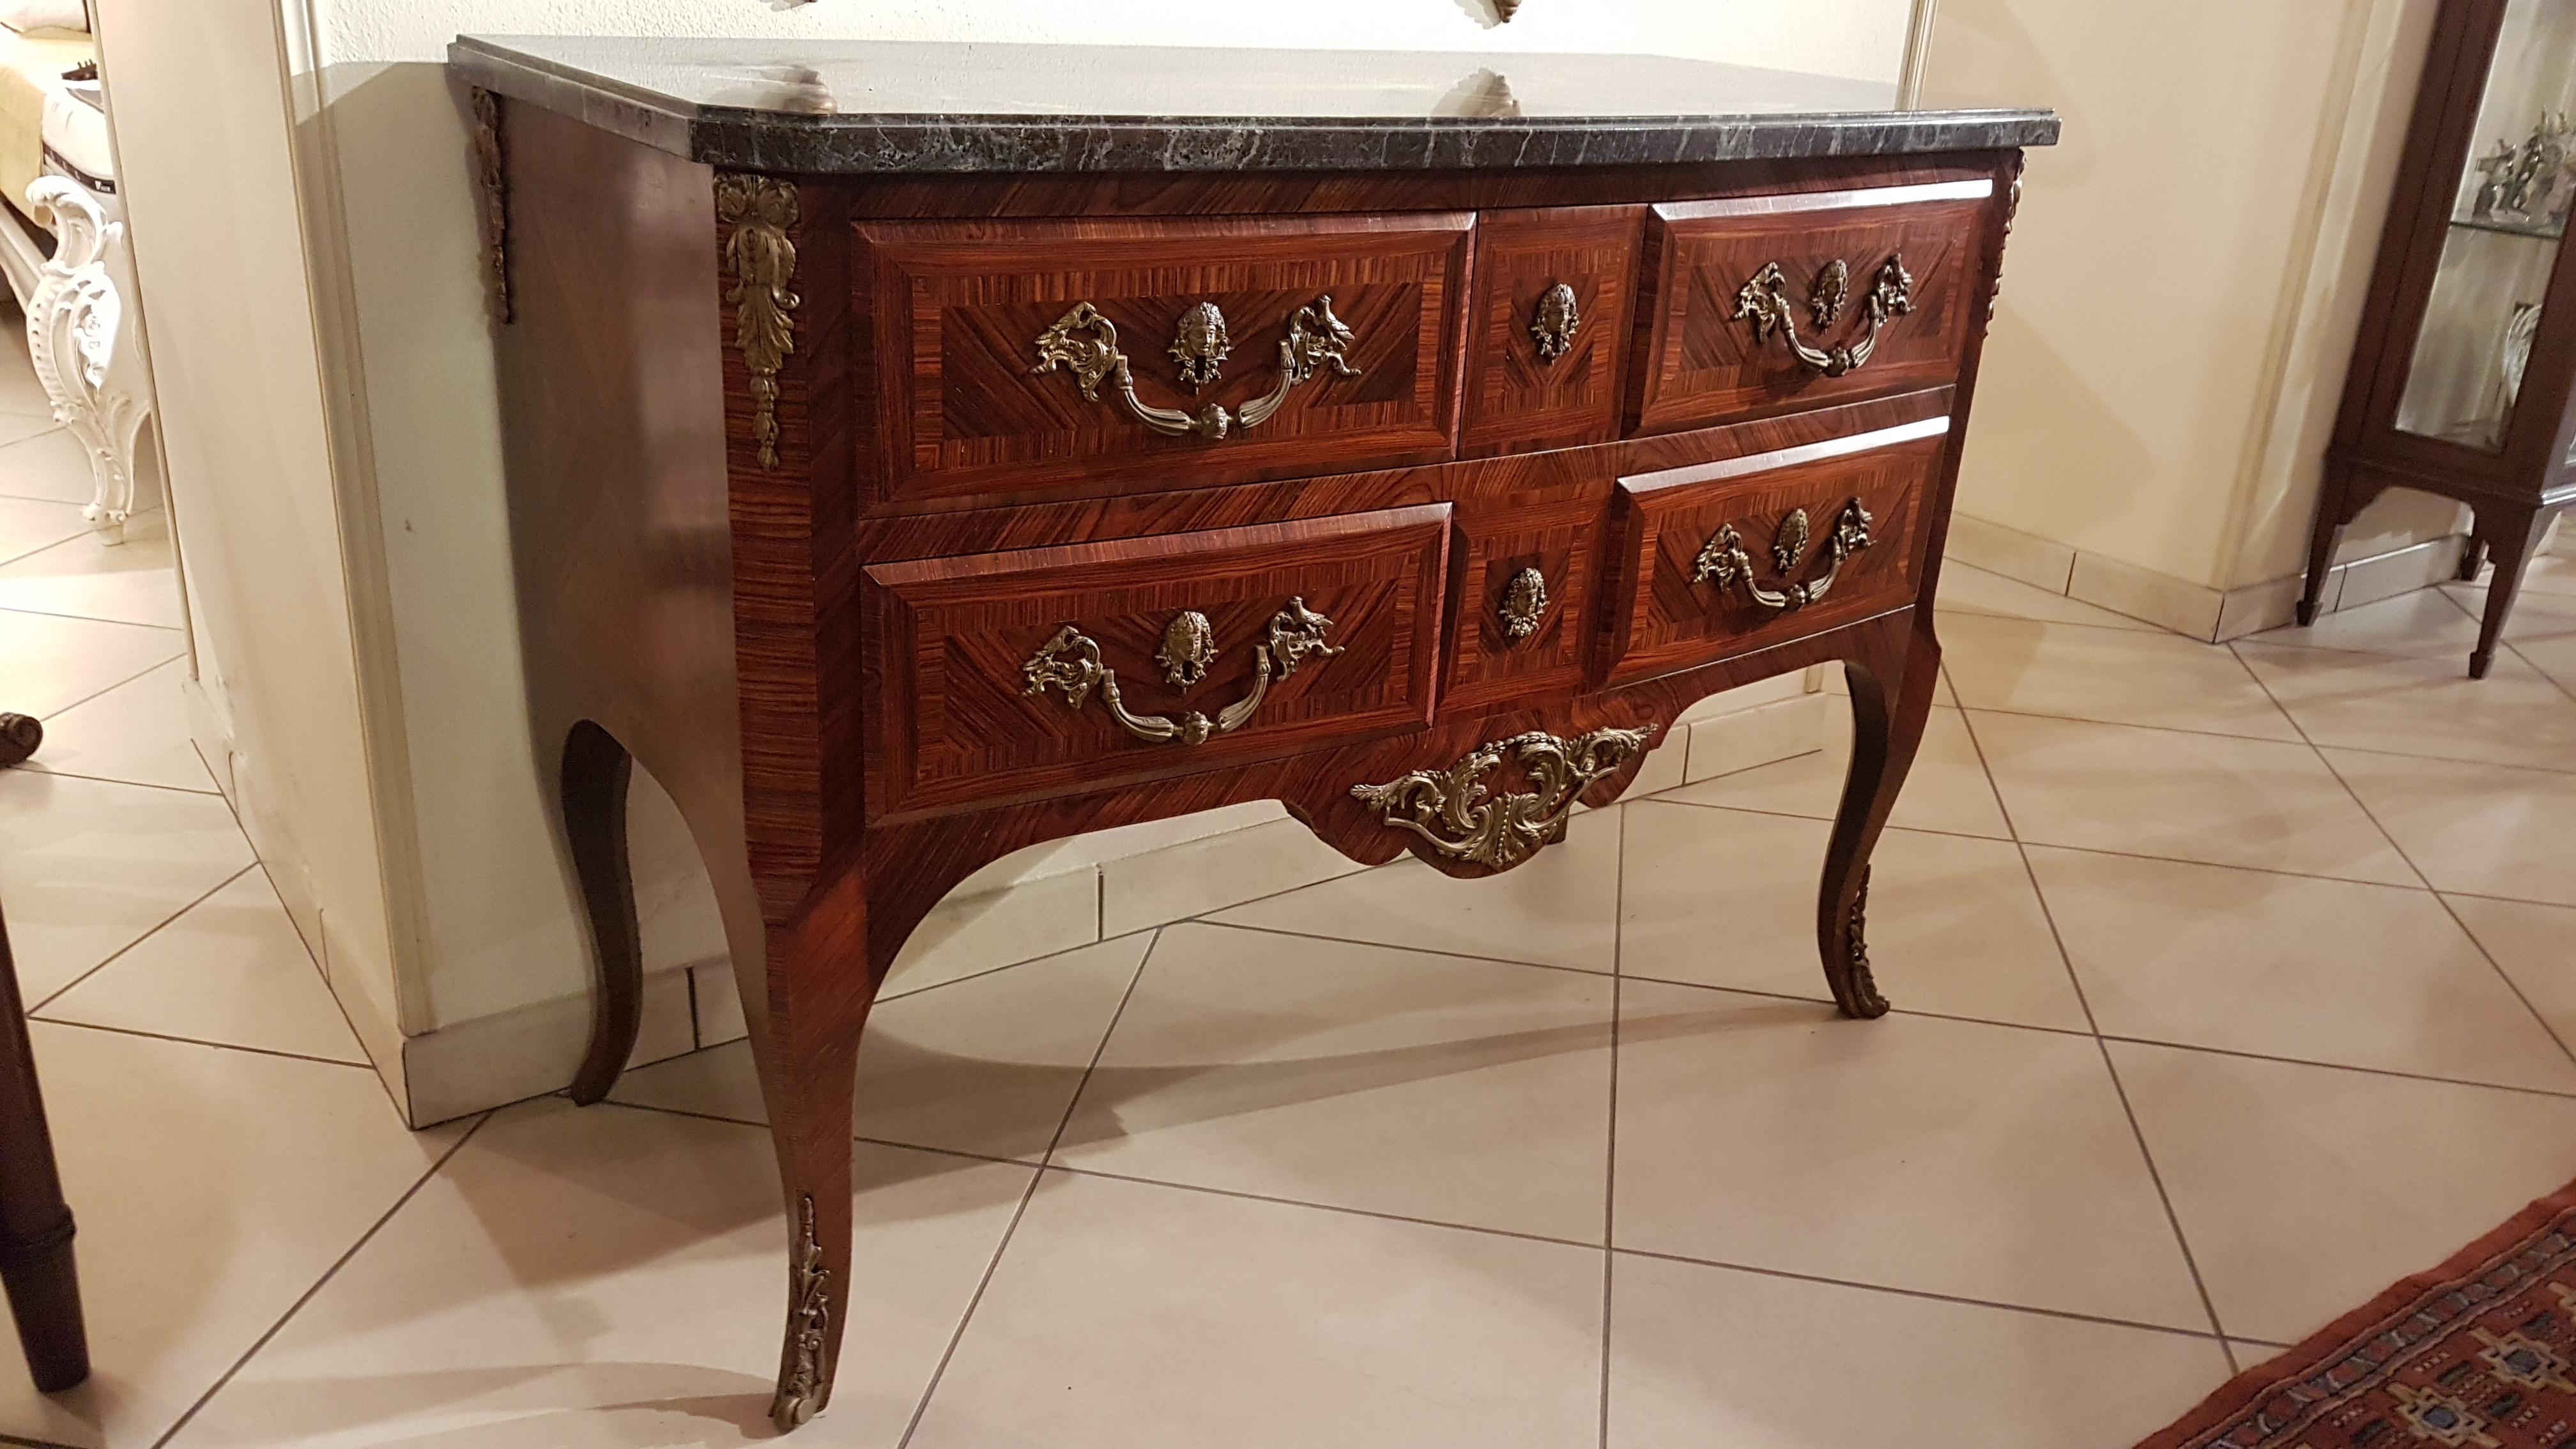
(1725, 558)
(1039, 671)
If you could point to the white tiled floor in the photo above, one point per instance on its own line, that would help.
(2231, 985)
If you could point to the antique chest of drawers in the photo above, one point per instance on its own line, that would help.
(919, 452)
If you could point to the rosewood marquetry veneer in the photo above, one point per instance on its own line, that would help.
(904, 488)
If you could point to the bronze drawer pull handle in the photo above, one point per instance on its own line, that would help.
(1071, 662)
(1723, 561)
(1086, 343)
(1452, 810)
(1765, 302)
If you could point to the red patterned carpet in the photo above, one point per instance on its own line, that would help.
(2479, 1352)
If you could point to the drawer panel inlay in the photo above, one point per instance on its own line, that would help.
(1838, 523)
(1023, 673)
(1555, 290)
(1088, 356)
(1759, 304)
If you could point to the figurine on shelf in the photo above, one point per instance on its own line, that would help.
(2495, 169)
(2537, 169)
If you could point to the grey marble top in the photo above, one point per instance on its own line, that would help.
(877, 106)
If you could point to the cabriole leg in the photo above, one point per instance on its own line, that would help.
(1893, 673)
(87, 350)
(596, 772)
(816, 987)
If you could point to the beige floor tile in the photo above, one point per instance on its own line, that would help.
(965, 935)
(1702, 1357)
(2423, 706)
(1435, 1087)
(30, 524)
(2534, 945)
(1947, 789)
(87, 868)
(2547, 573)
(2305, 1190)
(21, 395)
(985, 1067)
(611, 1278)
(212, 1188)
(136, 732)
(2424, 622)
(1722, 898)
(2555, 657)
(49, 663)
(2289, 966)
(2489, 830)
(1179, 881)
(1966, 590)
(2537, 613)
(127, 583)
(2184, 796)
(2111, 675)
(1126, 1314)
(1987, 1162)
(1559, 909)
(39, 460)
(230, 969)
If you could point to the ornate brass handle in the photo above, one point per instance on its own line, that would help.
(1459, 818)
(1086, 343)
(1765, 302)
(1071, 662)
(1723, 561)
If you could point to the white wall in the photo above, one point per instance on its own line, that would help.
(204, 141)
(2187, 272)
(387, 168)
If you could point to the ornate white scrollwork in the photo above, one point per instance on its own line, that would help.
(87, 346)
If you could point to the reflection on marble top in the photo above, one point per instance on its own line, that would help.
(907, 106)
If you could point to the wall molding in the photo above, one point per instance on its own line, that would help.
(2196, 611)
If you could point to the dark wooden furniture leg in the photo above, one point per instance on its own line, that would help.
(20, 734)
(596, 771)
(815, 994)
(2510, 538)
(2344, 496)
(36, 1263)
(1886, 730)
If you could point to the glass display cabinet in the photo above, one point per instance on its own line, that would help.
(2462, 375)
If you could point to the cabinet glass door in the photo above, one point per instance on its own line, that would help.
(2506, 222)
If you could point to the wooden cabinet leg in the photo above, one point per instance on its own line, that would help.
(2511, 538)
(2323, 536)
(815, 990)
(596, 772)
(21, 735)
(1899, 651)
(36, 1265)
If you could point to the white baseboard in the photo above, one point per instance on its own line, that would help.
(1041, 901)
(2196, 610)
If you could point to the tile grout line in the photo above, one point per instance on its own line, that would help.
(39, 767)
(226, 1046)
(2119, 1088)
(324, 1281)
(908, 991)
(62, 710)
(157, 927)
(1610, 1148)
(2508, 645)
(2397, 846)
(1027, 1195)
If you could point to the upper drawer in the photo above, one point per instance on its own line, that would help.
(1725, 558)
(1088, 356)
(1760, 304)
(1549, 338)
(1021, 674)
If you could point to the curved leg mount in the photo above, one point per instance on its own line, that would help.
(1887, 728)
(87, 348)
(596, 771)
(20, 737)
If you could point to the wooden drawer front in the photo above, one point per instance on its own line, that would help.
(980, 666)
(963, 314)
(1546, 364)
(1710, 356)
(1683, 595)
(1525, 594)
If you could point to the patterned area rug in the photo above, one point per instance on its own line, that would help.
(2478, 1352)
